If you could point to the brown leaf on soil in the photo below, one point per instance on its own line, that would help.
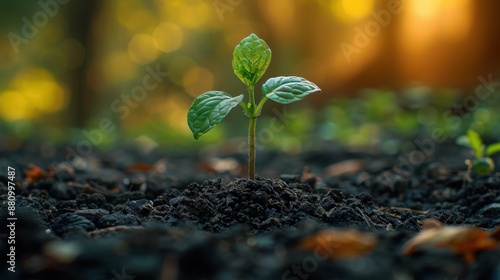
(35, 173)
(158, 167)
(496, 234)
(344, 167)
(339, 244)
(465, 241)
(306, 175)
(139, 167)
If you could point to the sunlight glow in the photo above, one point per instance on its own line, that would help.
(348, 11)
(443, 19)
(280, 13)
(441, 24)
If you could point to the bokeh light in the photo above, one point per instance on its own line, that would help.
(32, 92)
(86, 57)
(195, 14)
(13, 112)
(141, 49)
(168, 37)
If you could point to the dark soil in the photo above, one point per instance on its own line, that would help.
(124, 214)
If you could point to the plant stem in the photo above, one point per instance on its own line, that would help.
(251, 133)
(259, 107)
(251, 147)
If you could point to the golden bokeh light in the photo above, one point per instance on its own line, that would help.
(170, 108)
(349, 11)
(14, 106)
(30, 76)
(46, 96)
(198, 80)
(32, 92)
(142, 49)
(133, 15)
(196, 13)
(341, 45)
(168, 37)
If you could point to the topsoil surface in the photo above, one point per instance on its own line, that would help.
(125, 214)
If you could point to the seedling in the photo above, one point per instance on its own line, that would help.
(482, 164)
(251, 57)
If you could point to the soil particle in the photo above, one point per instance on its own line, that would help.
(92, 215)
(117, 219)
(71, 222)
(267, 205)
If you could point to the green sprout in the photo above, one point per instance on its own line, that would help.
(482, 164)
(251, 57)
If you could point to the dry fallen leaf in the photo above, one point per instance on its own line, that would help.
(306, 175)
(345, 167)
(35, 173)
(139, 167)
(158, 167)
(466, 241)
(339, 244)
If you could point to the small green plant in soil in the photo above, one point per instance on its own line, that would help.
(482, 164)
(251, 57)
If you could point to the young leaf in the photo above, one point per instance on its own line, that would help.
(251, 57)
(209, 109)
(483, 166)
(463, 140)
(289, 89)
(475, 142)
(492, 149)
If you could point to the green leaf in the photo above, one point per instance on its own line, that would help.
(289, 89)
(475, 142)
(209, 109)
(463, 140)
(251, 57)
(483, 166)
(492, 149)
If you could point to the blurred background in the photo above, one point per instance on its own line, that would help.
(108, 71)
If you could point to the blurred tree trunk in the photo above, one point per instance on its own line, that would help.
(80, 17)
